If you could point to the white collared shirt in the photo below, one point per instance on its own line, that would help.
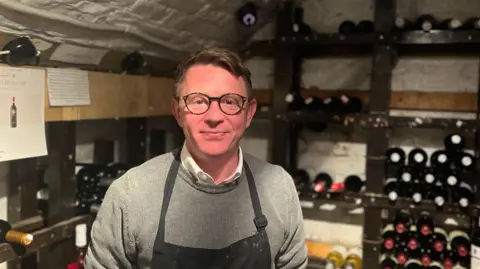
(191, 166)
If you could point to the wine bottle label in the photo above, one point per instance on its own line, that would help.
(295, 28)
(417, 197)
(475, 257)
(400, 22)
(393, 196)
(452, 180)
(427, 26)
(289, 98)
(442, 158)
(418, 157)
(395, 157)
(429, 178)
(463, 202)
(406, 177)
(456, 139)
(439, 201)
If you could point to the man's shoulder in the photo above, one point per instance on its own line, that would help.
(265, 170)
(140, 177)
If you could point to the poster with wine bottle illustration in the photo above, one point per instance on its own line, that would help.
(22, 120)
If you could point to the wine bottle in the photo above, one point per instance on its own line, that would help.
(407, 174)
(450, 24)
(391, 189)
(336, 257)
(417, 158)
(294, 101)
(298, 25)
(459, 243)
(475, 247)
(425, 224)
(402, 222)
(347, 27)
(452, 179)
(395, 156)
(8, 235)
(426, 23)
(81, 244)
(301, 179)
(465, 161)
(471, 24)
(439, 194)
(365, 27)
(439, 160)
(389, 238)
(354, 258)
(322, 183)
(388, 262)
(412, 242)
(428, 177)
(454, 143)
(439, 240)
(401, 254)
(332, 105)
(417, 189)
(463, 194)
(313, 104)
(13, 114)
(354, 184)
(402, 24)
(351, 105)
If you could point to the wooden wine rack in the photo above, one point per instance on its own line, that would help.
(289, 49)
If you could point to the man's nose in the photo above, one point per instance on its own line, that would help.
(214, 114)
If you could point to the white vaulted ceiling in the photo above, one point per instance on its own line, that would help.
(163, 28)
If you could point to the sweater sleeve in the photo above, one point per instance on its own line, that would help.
(293, 253)
(111, 244)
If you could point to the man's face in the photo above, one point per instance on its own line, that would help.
(212, 133)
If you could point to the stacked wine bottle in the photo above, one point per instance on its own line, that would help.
(323, 183)
(93, 182)
(448, 177)
(420, 243)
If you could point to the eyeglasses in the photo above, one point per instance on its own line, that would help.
(199, 103)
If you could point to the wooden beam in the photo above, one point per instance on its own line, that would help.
(410, 100)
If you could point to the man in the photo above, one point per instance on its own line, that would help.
(207, 205)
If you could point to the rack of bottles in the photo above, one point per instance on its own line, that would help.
(399, 182)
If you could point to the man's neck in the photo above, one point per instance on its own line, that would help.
(219, 168)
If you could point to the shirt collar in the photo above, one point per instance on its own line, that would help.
(191, 166)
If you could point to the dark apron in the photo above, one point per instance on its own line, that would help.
(250, 253)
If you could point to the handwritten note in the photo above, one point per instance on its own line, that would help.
(68, 87)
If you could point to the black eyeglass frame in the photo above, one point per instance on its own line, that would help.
(218, 99)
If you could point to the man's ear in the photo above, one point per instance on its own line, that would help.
(176, 112)
(252, 108)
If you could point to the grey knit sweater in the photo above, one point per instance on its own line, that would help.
(199, 215)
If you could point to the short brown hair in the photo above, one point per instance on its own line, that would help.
(219, 57)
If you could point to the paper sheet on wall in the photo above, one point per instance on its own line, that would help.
(68, 87)
(22, 119)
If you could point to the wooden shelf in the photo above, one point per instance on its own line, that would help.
(408, 100)
(118, 96)
(43, 238)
